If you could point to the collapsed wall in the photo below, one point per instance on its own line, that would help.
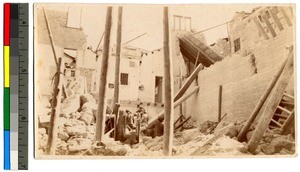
(243, 75)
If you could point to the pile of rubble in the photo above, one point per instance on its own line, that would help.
(76, 133)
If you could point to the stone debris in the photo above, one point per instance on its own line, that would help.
(76, 133)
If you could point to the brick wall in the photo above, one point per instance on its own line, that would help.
(243, 76)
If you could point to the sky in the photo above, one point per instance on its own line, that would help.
(139, 19)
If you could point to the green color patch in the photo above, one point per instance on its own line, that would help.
(6, 108)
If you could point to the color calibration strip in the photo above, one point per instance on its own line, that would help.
(15, 86)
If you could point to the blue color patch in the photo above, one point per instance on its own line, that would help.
(6, 150)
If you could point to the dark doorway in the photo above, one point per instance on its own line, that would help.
(158, 89)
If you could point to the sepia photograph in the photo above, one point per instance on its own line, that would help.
(164, 81)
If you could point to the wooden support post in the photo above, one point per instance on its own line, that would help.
(243, 132)
(275, 17)
(196, 62)
(169, 103)
(118, 58)
(260, 28)
(55, 108)
(50, 37)
(272, 103)
(100, 119)
(188, 82)
(286, 17)
(177, 103)
(220, 104)
(180, 106)
(269, 26)
(138, 130)
(116, 112)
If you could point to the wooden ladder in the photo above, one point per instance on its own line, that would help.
(284, 113)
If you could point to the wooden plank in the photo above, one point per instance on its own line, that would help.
(188, 82)
(272, 103)
(277, 123)
(284, 110)
(169, 103)
(118, 59)
(288, 95)
(55, 108)
(269, 26)
(100, 119)
(220, 104)
(260, 28)
(275, 17)
(263, 98)
(286, 17)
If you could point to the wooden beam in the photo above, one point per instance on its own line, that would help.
(169, 103)
(269, 26)
(188, 82)
(220, 104)
(275, 17)
(177, 103)
(260, 28)
(100, 119)
(259, 105)
(118, 58)
(55, 108)
(287, 19)
(272, 103)
(50, 37)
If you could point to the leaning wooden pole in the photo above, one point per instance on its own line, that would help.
(55, 108)
(100, 119)
(118, 59)
(50, 37)
(169, 103)
(242, 134)
(186, 95)
(272, 103)
(188, 82)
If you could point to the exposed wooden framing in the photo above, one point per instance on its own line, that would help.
(169, 103)
(100, 119)
(177, 103)
(55, 108)
(269, 26)
(287, 19)
(260, 103)
(118, 58)
(220, 104)
(275, 17)
(260, 28)
(272, 103)
(188, 82)
(51, 38)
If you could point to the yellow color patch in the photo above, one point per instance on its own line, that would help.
(6, 66)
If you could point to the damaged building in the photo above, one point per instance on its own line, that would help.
(233, 97)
